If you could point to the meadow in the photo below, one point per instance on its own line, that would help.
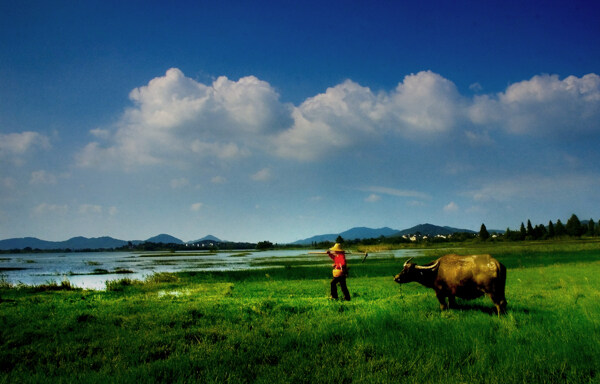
(276, 325)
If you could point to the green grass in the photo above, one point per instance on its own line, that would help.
(276, 325)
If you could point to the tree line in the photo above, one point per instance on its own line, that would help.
(573, 228)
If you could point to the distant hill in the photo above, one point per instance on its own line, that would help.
(431, 230)
(165, 239)
(106, 242)
(370, 233)
(207, 238)
(78, 243)
(73, 243)
(93, 243)
(367, 233)
(351, 234)
(317, 239)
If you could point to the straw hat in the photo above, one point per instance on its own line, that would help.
(336, 248)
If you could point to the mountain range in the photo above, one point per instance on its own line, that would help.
(78, 243)
(369, 233)
(104, 242)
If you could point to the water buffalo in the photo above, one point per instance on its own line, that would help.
(467, 277)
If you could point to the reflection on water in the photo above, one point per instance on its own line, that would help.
(93, 270)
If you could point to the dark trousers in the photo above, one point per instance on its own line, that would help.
(342, 281)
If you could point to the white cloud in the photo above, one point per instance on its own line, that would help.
(372, 198)
(99, 133)
(179, 183)
(13, 145)
(451, 207)
(218, 180)
(8, 182)
(423, 105)
(543, 105)
(86, 209)
(196, 207)
(54, 209)
(262, 175)
(478, 138)
(42, 177)
(333, 120)
(179, 121)
(525, 187)
(176, 119)
(397, 192)
(222, 150)
(476, 87)
(113, 211)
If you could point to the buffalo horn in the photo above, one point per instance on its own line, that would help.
(408, 261)
(434, 265)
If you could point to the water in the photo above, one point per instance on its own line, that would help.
(91, 270)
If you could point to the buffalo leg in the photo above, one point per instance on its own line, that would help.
(442, 299)
(451, 302)
(500, 303)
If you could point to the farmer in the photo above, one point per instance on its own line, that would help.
(340, 271)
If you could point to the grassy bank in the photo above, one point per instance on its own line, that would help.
(276, 325)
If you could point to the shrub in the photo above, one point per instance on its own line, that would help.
(64, 285)
(164, 277)
(118, 285)
(4, 283)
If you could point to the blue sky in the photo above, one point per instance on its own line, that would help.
(277, 121)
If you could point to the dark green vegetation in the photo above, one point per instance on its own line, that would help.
(276, 325)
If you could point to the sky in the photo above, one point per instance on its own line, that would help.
(277, 121)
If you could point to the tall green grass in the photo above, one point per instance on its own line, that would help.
(276, 325)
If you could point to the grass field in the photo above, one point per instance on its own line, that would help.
(276, 325)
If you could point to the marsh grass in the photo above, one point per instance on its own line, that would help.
(276, 326)
(102, 271)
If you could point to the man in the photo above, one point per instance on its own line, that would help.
(340, 271)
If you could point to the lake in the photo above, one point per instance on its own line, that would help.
(91, 270)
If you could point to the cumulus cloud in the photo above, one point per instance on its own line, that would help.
(336, 119)
(451, 207)
(218, 180)
(8, 182)
(543, 105)
(476, 87)
(177, 120)
(533, 186)
(54, 209)
(196, 207)
(86, 209)
(100, 133)
(14, 145)
(262, 175)
(42, 177)
(179, 183)
(347, 115)
(425, 102)
(397, 192)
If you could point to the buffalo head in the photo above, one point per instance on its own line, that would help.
(405, 275)
(413, 272)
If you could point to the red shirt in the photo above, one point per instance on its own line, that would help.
(339, 259)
